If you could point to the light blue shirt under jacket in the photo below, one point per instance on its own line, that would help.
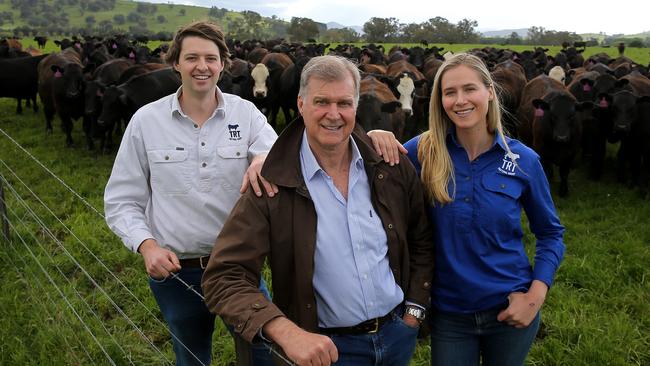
(352, 278)
(479, 252)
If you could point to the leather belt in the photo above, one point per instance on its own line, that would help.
(200, 262)
(367, 327)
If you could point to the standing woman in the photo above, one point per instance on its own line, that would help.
(486, 295)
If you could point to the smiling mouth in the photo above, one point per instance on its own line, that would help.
(201, 77)
(464, 112)
(332, 128)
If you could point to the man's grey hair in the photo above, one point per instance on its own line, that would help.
(330, 68)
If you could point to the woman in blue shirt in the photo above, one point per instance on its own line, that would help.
(486, 295)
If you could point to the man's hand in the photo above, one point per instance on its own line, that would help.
(302, 347)
(523, 307)
(160, 263)
(386, 145)
(253, 177)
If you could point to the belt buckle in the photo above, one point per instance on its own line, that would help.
(376, 329)
(201, 262)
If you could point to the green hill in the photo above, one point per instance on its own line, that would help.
(73, 17)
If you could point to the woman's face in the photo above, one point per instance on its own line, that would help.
(465, 98)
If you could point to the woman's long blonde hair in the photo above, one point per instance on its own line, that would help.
(437, 168)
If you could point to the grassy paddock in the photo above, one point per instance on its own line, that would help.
(598, 312)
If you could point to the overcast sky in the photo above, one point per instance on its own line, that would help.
(567, 15)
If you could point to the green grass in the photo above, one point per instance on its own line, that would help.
(597, 313)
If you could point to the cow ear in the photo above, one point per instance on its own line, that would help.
(571, 72)
(390, 107)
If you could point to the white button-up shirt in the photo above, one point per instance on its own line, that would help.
(176, 182)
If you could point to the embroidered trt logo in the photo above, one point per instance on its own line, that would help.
(234, 132)
(508, 163)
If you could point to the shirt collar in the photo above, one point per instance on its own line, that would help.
(451, 135)
(310, 164)
(221, 103)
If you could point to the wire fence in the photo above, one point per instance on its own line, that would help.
(93, 294)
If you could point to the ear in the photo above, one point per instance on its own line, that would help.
(300, 104)
(540, 107)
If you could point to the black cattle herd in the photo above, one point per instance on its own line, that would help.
(560, 105)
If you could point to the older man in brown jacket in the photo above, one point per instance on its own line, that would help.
(347, 239)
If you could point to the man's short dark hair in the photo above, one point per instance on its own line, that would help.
(204, 29)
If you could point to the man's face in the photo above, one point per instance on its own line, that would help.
(199, 64)
(328, 110)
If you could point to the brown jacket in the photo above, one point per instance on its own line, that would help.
(283, 228)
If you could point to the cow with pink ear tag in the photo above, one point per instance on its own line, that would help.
(548, 124)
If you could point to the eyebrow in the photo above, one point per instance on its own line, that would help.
(462, 86)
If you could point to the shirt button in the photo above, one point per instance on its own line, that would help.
(196, 126)
(503, 186)
(380, 176)
(468, 177)
(365, 276)
(308, 306)
(204, 165)
(167, 157)
(203, 144)
(390, 226)
(466, 199)
(238, 153)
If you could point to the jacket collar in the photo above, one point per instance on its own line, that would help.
(282, 165)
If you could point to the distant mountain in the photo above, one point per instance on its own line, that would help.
(523, 33)
(335, 25)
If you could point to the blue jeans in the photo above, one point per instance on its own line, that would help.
(463, 339)
(392, 345)
(190, 322)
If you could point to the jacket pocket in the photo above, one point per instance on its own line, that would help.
(170, 171)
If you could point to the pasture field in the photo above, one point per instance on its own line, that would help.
(597, 313)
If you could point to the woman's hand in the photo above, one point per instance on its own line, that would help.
(524, 307)
(387, 146)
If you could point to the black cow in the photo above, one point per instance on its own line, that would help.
(19, 79)
(290, 83)
(511, 79)
(122, 101)
(379, 108)
(61, 88)
(548, 124)
(41, 41)
(267, 91)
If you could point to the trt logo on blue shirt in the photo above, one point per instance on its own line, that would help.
(508, 164)
(234, 132)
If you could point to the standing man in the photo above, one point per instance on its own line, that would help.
(347, 239)
(177, 176)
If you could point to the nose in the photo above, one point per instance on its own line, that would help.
(333, 111)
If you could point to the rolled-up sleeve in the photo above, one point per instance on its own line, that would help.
(544, 224)
(262, 134)
(128, 191)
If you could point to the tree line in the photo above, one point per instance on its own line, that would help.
(42, 17)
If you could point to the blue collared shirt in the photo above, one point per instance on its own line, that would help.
(352, 278)
(479, 253)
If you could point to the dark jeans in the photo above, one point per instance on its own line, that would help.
(190, 323)
(392, 345)
(463, 339)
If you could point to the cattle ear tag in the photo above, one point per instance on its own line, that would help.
(58, 74)
(131, 55)
(603, 103)
(539, 112)
(586, 87)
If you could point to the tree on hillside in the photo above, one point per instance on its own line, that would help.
(182, 12)
(90, 20)
(119, 19)
(302, 29)
(381, 29)
(217, 12)
(161, 19)
(342, 35)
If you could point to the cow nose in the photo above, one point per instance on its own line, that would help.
(623, 127)
(101, 122)
(260, 94)
(408, 111)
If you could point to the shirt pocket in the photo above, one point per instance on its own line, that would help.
(501, 208)
(232, 163)
(170, 171)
